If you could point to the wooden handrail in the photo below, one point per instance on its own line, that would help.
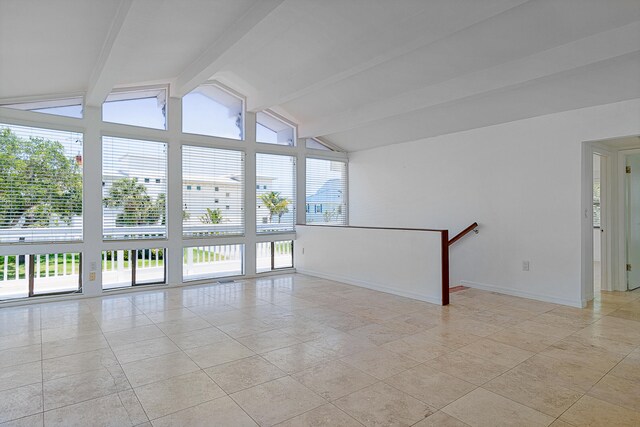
(463, 233)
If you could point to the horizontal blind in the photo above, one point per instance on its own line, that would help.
(275, 193)
(134, 189)
(40, 185)
(212, 191)
(326, 192)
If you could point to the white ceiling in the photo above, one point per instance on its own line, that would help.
(360, 73)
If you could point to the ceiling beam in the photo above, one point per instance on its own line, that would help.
(222, 50)
(409, 35)
(105, 73)
(580, 53)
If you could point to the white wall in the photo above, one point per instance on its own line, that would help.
(521, 181)
(401, 262)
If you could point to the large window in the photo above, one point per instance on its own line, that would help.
(40, 185)
(212, 191)
(211, 110)
(145, 108)
(272, 130)
(275, 193)
(326, 192)
(134, 188)
(44, 210)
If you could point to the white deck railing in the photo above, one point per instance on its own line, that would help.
(48, 234)
(52, 273)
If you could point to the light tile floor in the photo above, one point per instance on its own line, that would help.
(294, 350)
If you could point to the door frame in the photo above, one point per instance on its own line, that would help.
(622, 215)
(611, 257)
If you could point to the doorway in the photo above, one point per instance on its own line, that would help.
(632, 216)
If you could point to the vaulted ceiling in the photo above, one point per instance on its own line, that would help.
(360, 73)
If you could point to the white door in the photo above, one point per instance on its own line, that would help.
(633, 221)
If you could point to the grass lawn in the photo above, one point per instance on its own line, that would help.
(53, 266)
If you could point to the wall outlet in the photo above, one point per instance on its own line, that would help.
(93, 266)
(525, 265)
(92, 276)
(302, 251)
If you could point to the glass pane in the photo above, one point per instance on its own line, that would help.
(71, 107)
(316, 145)
(263, 257)
(275, 193)
(210, 110)
(116, 269)
(283, 254)
(49, 207)
(204, 262)
(146, 108)
(271, 130)
(212, 191)
(326, 192)
(134, 188)
(150, 267)
(59, 272)
(14, 276)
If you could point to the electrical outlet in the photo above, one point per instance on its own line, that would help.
(93, 266)
(302, 251)
(92, 276)
(525, 265)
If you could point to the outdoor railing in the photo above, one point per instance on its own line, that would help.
(202, 262)
(31, 274)
(47, 234)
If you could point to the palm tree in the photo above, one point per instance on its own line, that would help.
(276, 204)
(213, 216)
(138, 208)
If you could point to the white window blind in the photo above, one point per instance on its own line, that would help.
(275, 193)
(134, 188)
(326, 192)
(40, 185)
(212, 191)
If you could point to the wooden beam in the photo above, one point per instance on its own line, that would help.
(222, 50)
(105, 72)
